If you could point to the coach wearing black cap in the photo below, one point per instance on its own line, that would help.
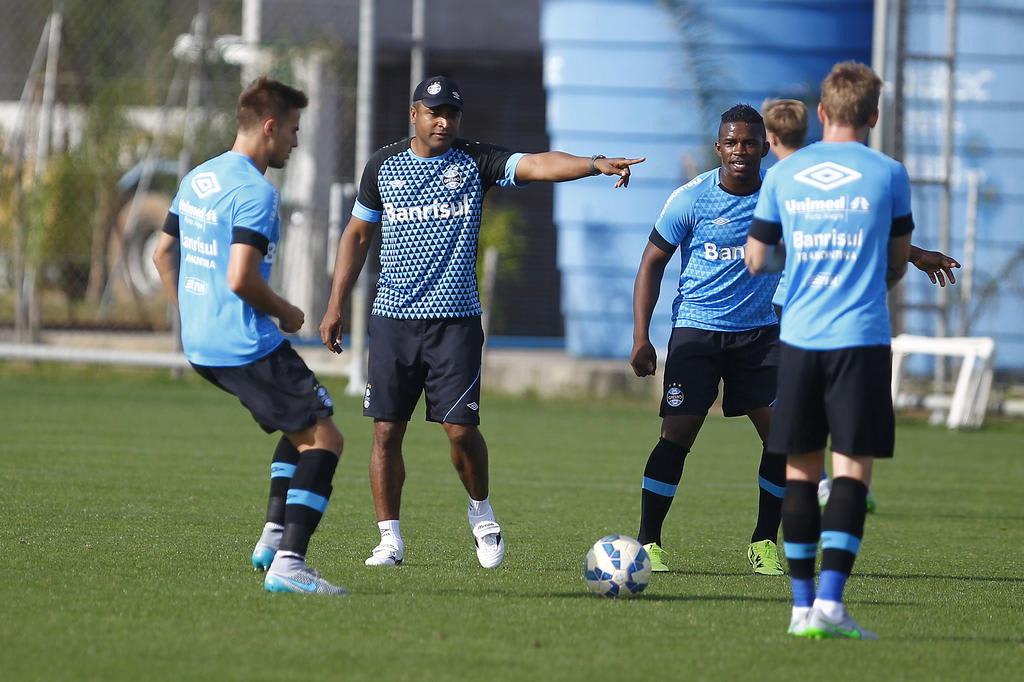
(426, 194)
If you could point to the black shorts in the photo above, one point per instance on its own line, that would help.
(279, 390)
(843, 392)
(698, 359)
(440, 358)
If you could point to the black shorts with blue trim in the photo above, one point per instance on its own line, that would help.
(699, 359)
(844, 393)
(437, 357)
(279, 390)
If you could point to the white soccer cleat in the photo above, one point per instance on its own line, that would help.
(820, 626)
(798, 621)
(386, 554)
(303, 580)
(490, 547)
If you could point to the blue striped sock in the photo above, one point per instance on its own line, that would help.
(831, 585)
(803, 591)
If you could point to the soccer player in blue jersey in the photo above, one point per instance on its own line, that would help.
(843, 212)
(425, 193)
(215, 256)
(786, 123)
(724, 330)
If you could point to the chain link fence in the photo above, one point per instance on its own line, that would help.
(104, 105)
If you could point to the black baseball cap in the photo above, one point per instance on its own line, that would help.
(438, 90)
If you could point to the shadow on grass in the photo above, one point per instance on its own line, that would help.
(927, 576)
(958, 517)
(959, 639)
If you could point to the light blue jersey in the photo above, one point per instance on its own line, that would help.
(835, 205)
(223, 201)
(710, 226)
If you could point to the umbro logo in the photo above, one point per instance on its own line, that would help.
(720, 220)
(204, 184)
(473, 406)
(827, 176)
(396, 184)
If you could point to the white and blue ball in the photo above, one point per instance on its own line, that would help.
(617, 566)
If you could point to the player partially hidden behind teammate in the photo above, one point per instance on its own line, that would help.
(843, 211)
(724, 331)
(786, 122)
(214, 258)
(426, 194)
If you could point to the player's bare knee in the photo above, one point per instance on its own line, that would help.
(388, 436)
(463, 437)
(329, 436)
(682, 430)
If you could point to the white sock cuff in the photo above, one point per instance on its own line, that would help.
(389, 527)
(480, 507)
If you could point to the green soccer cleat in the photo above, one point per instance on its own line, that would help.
(820, 626)
(764, 557)
(657, 555)
(870, 503)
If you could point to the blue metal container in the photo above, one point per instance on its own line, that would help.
(649, 77)
(989, 98)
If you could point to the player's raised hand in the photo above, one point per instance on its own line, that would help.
(617, 166)
(330, 330)
(292, 319)
(938, 266)
(644, 359)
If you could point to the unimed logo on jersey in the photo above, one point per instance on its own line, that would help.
(827, 176)
(204, 184)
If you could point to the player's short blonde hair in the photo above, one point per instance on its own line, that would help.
(849, 94)
(786, 118)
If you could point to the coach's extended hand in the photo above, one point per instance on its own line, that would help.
(617, 166)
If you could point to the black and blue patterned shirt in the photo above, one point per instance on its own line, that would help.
(429, 210)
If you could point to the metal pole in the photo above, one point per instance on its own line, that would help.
(417, 56)
(252, 18)
(970, 241)
(879, 53)
(30, 282)
(364, 140)
(946, 199)
(15, 147)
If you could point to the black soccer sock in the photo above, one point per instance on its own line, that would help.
(282, 468)
(771, 482)
(801, 523)
(661, 478)
(842, 529)
(307, 499)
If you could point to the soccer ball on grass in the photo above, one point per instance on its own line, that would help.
(617, 566)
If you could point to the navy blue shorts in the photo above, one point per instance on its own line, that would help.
(439, 358)
(844, 392)
(699, 359)
(279, 390)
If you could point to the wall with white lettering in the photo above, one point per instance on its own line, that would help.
(650, 77)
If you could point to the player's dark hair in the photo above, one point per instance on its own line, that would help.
(744, 113)
(267, 98)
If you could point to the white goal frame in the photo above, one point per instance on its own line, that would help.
(974, 383)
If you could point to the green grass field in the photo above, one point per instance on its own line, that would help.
(131, 503)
